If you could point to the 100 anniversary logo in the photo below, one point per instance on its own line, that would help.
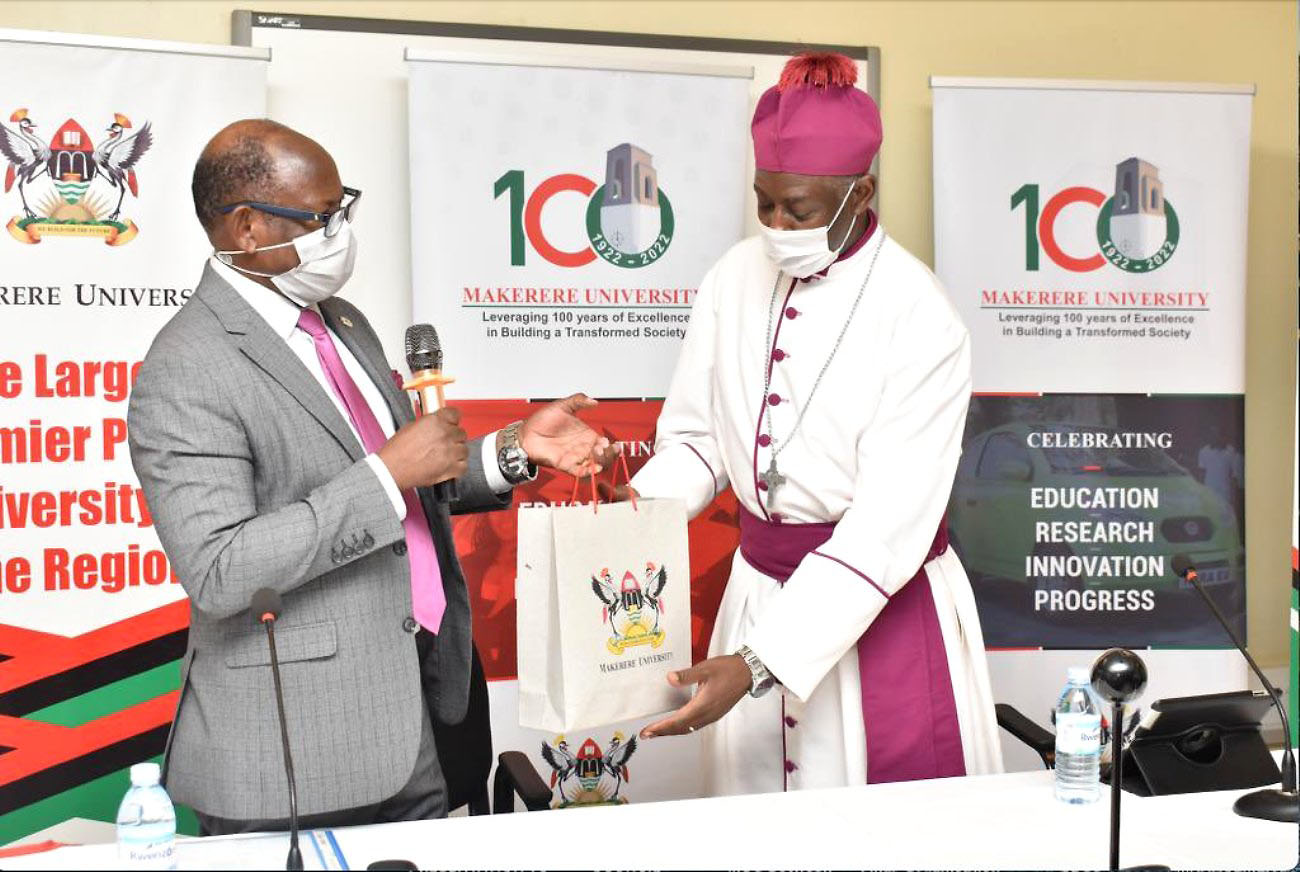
(70, 164)
(629, 219)
(1137, 228)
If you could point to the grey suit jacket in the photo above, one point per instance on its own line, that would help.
(255, 480)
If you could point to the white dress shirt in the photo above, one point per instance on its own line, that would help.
(282, 317)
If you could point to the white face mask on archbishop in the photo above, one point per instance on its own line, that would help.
(801, 253)
(324, 265)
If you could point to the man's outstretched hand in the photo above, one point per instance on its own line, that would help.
(555, 437)
(722, 681)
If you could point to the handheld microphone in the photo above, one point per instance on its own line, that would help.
(265, 607)
(1270, 803)
(424, 359)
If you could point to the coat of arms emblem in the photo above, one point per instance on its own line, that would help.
(633, 610)
(593, 776)
(70, 163)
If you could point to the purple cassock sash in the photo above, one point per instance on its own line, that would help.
(908, 707)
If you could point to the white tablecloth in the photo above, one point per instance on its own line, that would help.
(990, 822)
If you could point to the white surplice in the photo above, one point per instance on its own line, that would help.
(876, 452)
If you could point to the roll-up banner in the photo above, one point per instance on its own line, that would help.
(98, 139)
(1093, 237)
(1294, 693)
(562, 216)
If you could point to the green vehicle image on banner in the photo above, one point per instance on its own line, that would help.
(1013, 482)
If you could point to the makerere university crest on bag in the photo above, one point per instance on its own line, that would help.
(631, 608)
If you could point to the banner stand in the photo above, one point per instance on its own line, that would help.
(1092, 235)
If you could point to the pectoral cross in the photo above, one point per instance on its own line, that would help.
(773, 479)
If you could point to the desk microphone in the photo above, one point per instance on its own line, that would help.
(265, 608)
(1119, 675)
(1271, 804)
(424, 359)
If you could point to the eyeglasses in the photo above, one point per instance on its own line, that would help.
(332, 220)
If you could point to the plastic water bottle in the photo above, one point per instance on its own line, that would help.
(146, 822)
(1078, 740)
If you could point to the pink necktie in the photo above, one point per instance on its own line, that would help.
(427, 596)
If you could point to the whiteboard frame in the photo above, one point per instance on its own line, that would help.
(126, 43)
(575, 63)
(1090, 85)
(242, 22)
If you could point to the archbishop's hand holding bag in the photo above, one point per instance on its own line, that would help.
(604, 611)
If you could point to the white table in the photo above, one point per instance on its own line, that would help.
(990, 822)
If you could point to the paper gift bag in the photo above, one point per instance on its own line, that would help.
(604, 612)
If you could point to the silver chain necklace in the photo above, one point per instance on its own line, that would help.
(773, 477)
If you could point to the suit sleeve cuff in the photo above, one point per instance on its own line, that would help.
(492, 473)
(390, 486)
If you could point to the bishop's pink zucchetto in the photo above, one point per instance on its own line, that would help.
(814, 122)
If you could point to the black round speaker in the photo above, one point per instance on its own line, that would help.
(1119, 675)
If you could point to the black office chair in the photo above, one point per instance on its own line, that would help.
(1041, 740)
(516, 777)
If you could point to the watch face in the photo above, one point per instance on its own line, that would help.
(514, 463)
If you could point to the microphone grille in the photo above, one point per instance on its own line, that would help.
(423, 350)
(265, 601)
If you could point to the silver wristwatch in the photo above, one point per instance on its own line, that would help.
(512, 458)
(761, 681)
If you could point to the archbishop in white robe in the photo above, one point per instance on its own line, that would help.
(844, 587)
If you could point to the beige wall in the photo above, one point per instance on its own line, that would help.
(1199, 41)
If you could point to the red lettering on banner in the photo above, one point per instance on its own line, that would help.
(15, 575)
(37, 443)
(57, 445)
(990, 297)
(112, 571)
(45, 509)
(1047, 228)
(537, 296)
(56, 569)
(114, 435)
(1152, 299)
(84, 576)
(114, 504)
(146, 516)
(110, 379)
(11, 379)
(533, 218)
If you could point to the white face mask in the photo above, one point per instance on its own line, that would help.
(801, 253)
(324, 265)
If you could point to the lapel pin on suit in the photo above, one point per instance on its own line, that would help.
(345, 321)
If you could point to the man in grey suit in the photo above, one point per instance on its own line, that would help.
(275, 450)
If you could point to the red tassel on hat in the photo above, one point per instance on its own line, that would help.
(818, 69)
(814, 122)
